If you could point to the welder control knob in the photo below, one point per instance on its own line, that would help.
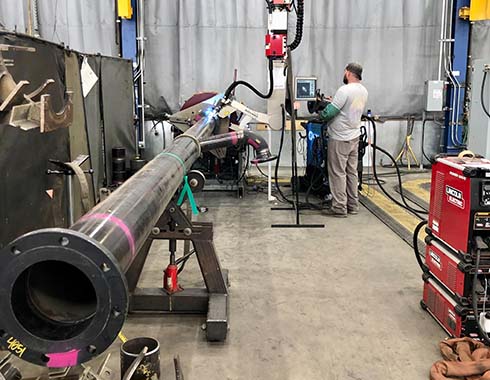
(155, 230)
(196, 180)
(187, 231)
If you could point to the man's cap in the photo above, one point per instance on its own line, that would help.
(355, 68)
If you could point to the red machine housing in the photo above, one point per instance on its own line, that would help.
(450, 271)
(459, 213)
(460, 201)
(458, 321)
(275, 45)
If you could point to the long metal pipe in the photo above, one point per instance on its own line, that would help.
(63, 292)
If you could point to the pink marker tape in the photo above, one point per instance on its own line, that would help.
(63, 359)
(119, 223)
(253, 143)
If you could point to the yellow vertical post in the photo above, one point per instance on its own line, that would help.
(480, 10)
(124, 9)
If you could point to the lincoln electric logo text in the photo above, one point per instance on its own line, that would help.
(455, 196)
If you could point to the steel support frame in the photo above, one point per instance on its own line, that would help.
(212, 300)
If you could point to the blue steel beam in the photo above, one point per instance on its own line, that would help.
(460, 51)
(128, 35)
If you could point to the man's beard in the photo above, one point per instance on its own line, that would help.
(345, 80)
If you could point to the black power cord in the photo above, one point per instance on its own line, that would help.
(418, 256)
(404, 204)
(282, 196)
(247, 164)
(261, 171)
(482, 94)
(235, 84)
(279, 153)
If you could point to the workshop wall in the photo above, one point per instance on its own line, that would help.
(195, 45)
(87, 26)
(209, 39)
(29, 198)
(187, 38)
(13, 15)
(480, 40)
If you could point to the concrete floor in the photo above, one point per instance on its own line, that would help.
(334, 303)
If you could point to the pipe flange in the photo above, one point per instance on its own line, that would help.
(63, 298)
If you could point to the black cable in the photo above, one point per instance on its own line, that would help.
(281, 144)
(418, 256)
(260, 170)
(183, 260)
(405, 204)
(235, 84)
(482, 95)
(247, 162)
(474, 299)
(294, 7)
(319, 174)
(313, 181)
(299, 25)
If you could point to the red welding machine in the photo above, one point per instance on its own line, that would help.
(460, 201)
(459, 216)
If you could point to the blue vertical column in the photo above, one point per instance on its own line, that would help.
(128, 35)
(129, 50)
(455, 127)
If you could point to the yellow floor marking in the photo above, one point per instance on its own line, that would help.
(401, 216)
(415, 187)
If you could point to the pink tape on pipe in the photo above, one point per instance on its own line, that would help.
(253, 143)
(118, 222)
(63, 359)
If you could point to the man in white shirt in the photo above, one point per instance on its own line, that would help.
(343, 115)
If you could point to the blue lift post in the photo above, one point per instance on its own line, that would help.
(455, 134)
(128, 35)
(129, 50)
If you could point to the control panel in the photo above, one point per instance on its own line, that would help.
(482, 221)
(485, 194)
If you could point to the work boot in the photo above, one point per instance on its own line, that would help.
(335, 214)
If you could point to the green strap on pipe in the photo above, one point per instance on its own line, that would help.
(173, 155)
(186, 190)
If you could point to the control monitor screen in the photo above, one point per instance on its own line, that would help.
(305, 88)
